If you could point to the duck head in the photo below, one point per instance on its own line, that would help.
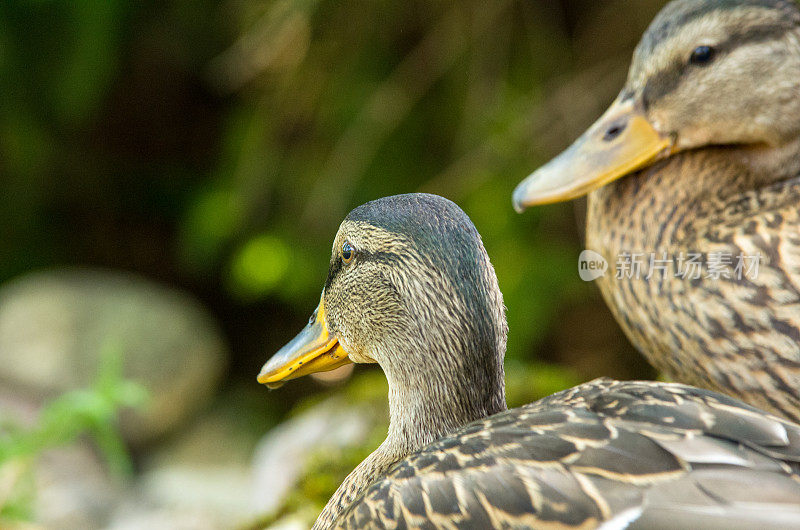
(409, 287)
(705, 74)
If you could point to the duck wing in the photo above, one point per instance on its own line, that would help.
(605, 454)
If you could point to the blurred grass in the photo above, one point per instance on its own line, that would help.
(91, 412)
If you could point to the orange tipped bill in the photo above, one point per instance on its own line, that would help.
(314, 349)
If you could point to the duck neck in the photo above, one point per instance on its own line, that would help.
(425, 405)
(771, 164)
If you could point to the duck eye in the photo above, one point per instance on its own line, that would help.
(701, 55)
(348, 252)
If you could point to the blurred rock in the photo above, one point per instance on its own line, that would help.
(199, 480)
(73, 489)
(56, 326)
(290, 523)
(283, 454)
(136, 518)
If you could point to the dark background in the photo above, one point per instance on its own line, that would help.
(214, 147)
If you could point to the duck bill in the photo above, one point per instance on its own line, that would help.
(314, 349)
(620, 142)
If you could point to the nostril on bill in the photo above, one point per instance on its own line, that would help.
(614, 131)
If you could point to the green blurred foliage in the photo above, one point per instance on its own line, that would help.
(330, 118)
(338, 103)
(91, 411)
(216, 146)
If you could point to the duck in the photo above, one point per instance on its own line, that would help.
(410, 287)
(693, 184)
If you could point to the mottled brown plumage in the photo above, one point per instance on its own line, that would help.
(718, 180)
(648, 455)
(410, 287)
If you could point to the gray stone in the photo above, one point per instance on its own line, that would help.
(73, 489)
(57, 326)
(282, 455)
(198, 480)
(137, 518)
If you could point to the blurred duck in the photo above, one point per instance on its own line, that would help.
(693, 178)
(410, 287)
